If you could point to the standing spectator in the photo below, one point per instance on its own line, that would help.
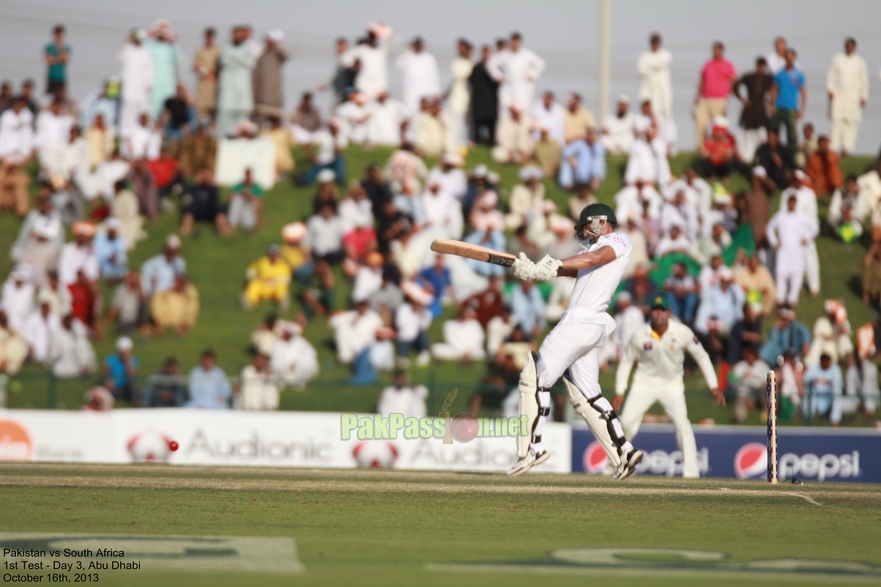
(166, 55)
(824, 386)
(484, 101)
(403, 398)
(421, 76)
(205, 66)
(517, 69)
(128, 307)
(136, 77)
(70, 352)
(157, 273)
(293, 360)
(110, 248)
(824, 168)
(235, 95)
(459, 96)
(176, 308)
(847, 82)
(791, 233)
(653, 68)
(777, 59)
(209, 387)
(372, 54)
(788, 98)
(57, 56)
(202, 204)
(716, 81)
(120, 372)
(754, 115)
(258, 390)
(268, 80)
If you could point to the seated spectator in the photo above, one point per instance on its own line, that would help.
(790, 385)
(110, 248)
(101, 140)
(176, 308)
(548, 155)
(403, 398)
(775, 159)
(356, 333)
(128, 307)
(327, 193)
(144, 186)
(576, 119)
(832, 335)
(98, 399)
(583, 162)
(709, 275)
(209, 389)
(788, 335)
(201, 203)
(55, 294)
(198, 150)
(513, 353)
(266, 334)
(405, 167)
(862, 377)
(583, 197)
(79, 255)
(748, 378)
(18, 297)
(824, 386)
(120, 372)
(258, 390)
(246, 205)
(158, 273)
(294, 249)
(178, 115)
(368, 277)
(13, 347)
(356, 211)
(719, 150)
(514, 142)
(845, 214)
(871, 279)
(166, 174)
(528, 308)
(558, 300)
(673, 241)
(758, 285)
(386, 300)
(306, 119)
(721, 307)
(43, 215)
(353, 117)
(283, 140)
(386, 118)
(439, 282)
(563, 246)
(293, 359)
(143, 140)
(377, 188)
(746, 333)
(433, 129)
(617, 129)
(167, 388)
(412, 320)
(463, 338)
(269, 279)
(442, 211)
(38, 330)
(807, 146)
(71, 353)
(824, 168)
(485, 213)
(499, 329)
(682, 293)
(84, 297)
(491, 239)
(527, 198)
(678, 211)
(325, 232)
(124, 209)
(647, 160)
(628, 319)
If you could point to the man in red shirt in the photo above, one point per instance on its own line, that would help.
(717, 78)
(719, 149)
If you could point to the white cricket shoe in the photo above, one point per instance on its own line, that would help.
(530, 460)
(628, 464)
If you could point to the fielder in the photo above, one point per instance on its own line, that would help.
(574, 344)
(659, 347)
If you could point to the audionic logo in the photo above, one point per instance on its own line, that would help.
(751, 461)
(15, 442)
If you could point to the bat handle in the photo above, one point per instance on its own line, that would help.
(448, 437)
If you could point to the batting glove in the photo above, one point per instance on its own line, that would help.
(524, 268)
(546, 269)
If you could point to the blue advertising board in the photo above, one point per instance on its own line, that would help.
(815, 454)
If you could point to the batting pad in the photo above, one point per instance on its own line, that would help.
(597, 425)
(528, 388)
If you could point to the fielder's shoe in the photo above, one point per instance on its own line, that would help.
(628, 464)
(530, 460)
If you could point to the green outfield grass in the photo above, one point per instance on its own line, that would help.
(217, 267)
(397, 528)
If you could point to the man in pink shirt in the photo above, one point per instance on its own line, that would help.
(717, 77)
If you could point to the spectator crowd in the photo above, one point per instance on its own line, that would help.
(103, 168)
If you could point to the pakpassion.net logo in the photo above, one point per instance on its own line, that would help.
(463, 428)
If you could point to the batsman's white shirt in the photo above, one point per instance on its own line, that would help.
(661, 359)
(595, 286)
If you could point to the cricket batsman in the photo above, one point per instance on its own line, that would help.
(659, 347)
(572, 349)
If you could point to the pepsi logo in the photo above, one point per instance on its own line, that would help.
(595, 458)
(751, 461)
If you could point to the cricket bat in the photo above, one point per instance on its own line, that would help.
(476, 252)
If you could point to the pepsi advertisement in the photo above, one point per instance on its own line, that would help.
(810, 454)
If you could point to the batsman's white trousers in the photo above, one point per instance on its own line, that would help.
(575, 344)
(641, 399)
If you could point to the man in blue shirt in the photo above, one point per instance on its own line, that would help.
(209, 387)
(491, 239)
(110, 250)
(119, 371)
(787, 335)
(158, 273)
(528, 307)
(57, 55)
(788, 96)
(584, 162)
(825, 384)
(438, 276)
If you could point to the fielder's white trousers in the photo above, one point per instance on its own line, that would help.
(843, 134)
(641, 399)
(575, 344)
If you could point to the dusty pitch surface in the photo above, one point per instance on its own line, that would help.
(377, 527)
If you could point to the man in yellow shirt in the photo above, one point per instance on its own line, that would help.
(269, 278)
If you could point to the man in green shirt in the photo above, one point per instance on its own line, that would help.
(246, 204)
(57, 55)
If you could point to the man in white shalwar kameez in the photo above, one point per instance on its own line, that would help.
(463, 338)
(18, 297)
(235, 95)
(373, 55)
(547, 113)
(517, 69)
(70, 351)
(38, 331)
(53, 131)
(847, 82)
(293, 360)
(807, 205)
(459, 97)
(617, 130)
(421, 76)
(136, 77)
(653, 68)
(384, 124)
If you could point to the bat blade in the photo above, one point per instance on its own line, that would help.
(476, 252)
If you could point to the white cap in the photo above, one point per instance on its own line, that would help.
(326, 176)
(549, 207)
(518, 106)
(293, 232)
(624, 98)
(530, 172)
(625, 296)
(720, 121)
(479, 171)
(173, 241)
(725, 273)
(124, 343)
(489, 198)
(801, 175)
(493, 178)
(451, 158)
(112, 224)
(760, 171)
(22, 272)
(275, 35)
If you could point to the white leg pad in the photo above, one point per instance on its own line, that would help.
(592, 415)
(528, 388)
